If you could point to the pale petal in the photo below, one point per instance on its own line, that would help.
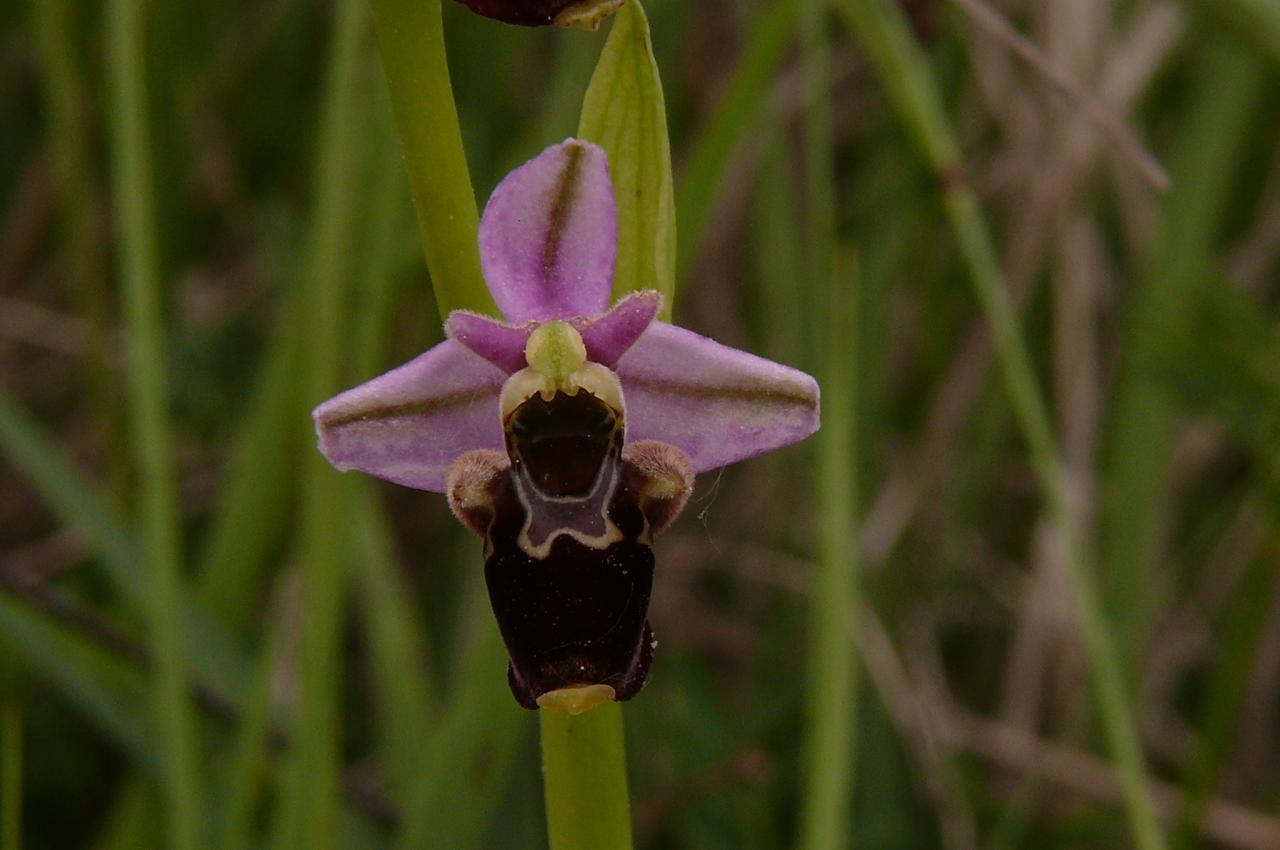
(549, 236)
(717, 404)
(608, 337)
(409, 425)
(501, 344)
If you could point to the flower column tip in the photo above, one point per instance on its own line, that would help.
(555, 350)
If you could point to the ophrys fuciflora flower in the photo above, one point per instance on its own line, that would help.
(568, 435)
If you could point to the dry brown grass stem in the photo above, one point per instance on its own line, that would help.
(1107, 122)
(1130, 68)
(1258, 252)
(52, 330)
(1254, 764)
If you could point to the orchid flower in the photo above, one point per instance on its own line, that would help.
(569, 434)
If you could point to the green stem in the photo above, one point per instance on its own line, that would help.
(584, 765)
(904, 71)
(152, 439)
(829, 755)
(411, 40)
(833, 679)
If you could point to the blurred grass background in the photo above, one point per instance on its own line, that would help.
(188, 266)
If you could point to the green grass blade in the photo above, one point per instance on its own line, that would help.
(257, 503)
(1226, 694)
(740, 107)
(1217, 359)
(399, 668)
(310, 813)
(131, 824)
(400, 673)
(78, 505)
(70, 147)
(251, 752)
(828, 777)
(152, 439)
(44, 463)
(833, 681)
(1228, 86)
(1256, 20)
(388, 205)
(474, 745)
(881, 28)
(778, 240)
(624, 112)
(105, 689)
(819, 157)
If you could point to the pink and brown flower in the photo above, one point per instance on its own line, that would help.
(570, 433)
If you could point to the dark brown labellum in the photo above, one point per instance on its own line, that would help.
(567, 556)
(568, 517)
(575, 616)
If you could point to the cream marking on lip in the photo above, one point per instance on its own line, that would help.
(606, 478)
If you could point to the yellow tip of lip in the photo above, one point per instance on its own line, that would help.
(576, 700)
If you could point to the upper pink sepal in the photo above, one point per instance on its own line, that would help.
(549, 236)
(409, 425)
